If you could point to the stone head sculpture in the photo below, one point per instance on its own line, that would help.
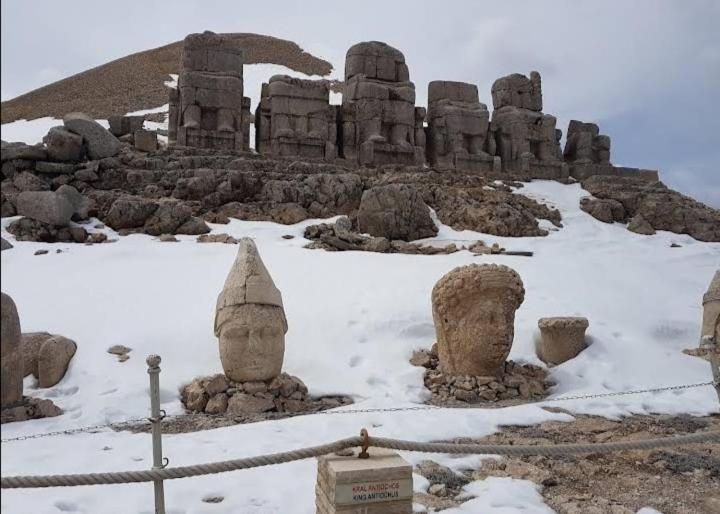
(474, 313)
(711, 310)
(250, 320)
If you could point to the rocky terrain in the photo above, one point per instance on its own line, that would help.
(136, 81)
(673, 481)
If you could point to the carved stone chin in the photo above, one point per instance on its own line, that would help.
(474, 313)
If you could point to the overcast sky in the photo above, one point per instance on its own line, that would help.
(648, 72)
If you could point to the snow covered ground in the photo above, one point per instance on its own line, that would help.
(354, 320)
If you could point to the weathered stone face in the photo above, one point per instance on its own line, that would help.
(208, 108)
(711, 310)
(379, 119)
(11, 372)
(252, 342)
(474, 313)
(561, 338)
(295, 118)
(458, 128)
(250, 320)
(517, 90)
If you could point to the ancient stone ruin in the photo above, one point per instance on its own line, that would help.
(474, 313)
(250, 320)
(378, 116)
(207, 109)
(295, 118)
(526, 139)
(458, 129)
(561, 339)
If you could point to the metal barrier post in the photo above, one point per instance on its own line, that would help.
(153, 362)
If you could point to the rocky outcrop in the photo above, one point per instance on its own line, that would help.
(395, 211)
(620, 199)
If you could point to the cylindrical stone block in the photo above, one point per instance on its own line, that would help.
(561, 339)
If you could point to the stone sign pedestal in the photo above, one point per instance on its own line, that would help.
(381, 484)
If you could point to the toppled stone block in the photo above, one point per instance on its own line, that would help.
(45, 206)
(123, 125)
(395, 211)
(100, 143)
(146, 140)
(13, 151)
(63, 145)
(46, 356)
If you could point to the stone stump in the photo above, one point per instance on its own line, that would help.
(380, 484)
(561, 339)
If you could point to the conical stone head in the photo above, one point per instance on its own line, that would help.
(711, 309)
(11, 374)
(250, 320)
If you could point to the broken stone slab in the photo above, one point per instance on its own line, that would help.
(99, 141)
(45, 206)
(54, 168)
(123, 125)
(18, 150)
(145, 140)
(63, 145)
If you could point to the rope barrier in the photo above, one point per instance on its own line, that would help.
(126, 477)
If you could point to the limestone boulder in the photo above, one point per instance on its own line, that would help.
(167, 218)
(99, 141)
(11, 377)
(128, 124)
(146, 140)
(242, 404)
(26, 181)
(45, 206)
(561, 339)
(605, 210)
(129, 211)
(640, 225)
(80, 203)
(193, 227)
(63, 145)
(474, 314)
(395, 211)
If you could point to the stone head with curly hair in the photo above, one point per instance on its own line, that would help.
(474, 313)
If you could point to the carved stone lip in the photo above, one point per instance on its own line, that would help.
(563, 322)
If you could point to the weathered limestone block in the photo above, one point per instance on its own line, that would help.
(250, 320)
(11, 377)
(63, 145)
(640, 225)
(395, 211)
(379, 119)
(526, 139)
(295, 118)
(458, 126)
(100, 143)
(19, 150)
(380, 484)
(711, 310)
(474, 313)
(517, 90)
(45, 206)
(561, 339)
(145, 140)
(128, 124)
(208, 109)
(585, 144)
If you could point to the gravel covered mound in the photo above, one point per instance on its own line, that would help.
(136, 81)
